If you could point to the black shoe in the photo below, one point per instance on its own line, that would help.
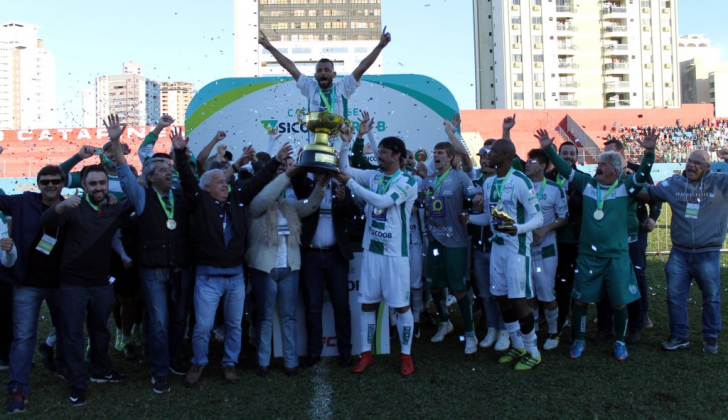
(46, 353)
(600, 337)
(291, 371)
(160, 384)
(310, 361)
(262, 371)
(77, 398)
(633, 337)
(113, 377)
(178, 368)
(674, 343)
(345, 360)
(130, 352)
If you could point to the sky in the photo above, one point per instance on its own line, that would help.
(192, 41)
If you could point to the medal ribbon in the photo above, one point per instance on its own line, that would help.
(386, 186)
(93, 206)
(540, 191)
(325, 100)
(438, 181)
(499, 190)
(560, 180)
(168, 212)
(600, 202)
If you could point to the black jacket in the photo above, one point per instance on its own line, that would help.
(159, 246)
(575, 202)
(340, 212)
(655, 207)
(210, 247)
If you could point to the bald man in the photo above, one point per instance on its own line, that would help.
(699, 203)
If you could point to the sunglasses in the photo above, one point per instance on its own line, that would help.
(46, 182)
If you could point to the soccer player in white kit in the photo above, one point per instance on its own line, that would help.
(544, 253)
(510, 191)
(389, 194)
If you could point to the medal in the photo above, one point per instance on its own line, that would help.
(171, 224)
(599, 214)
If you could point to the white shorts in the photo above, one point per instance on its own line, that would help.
(417, 262)
(385, 278)
(543, 273)
(510, 273)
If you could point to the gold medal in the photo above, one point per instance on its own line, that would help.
(171, 224)
(599, 215)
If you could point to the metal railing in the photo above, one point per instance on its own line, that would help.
(563, 65)
(569, 84)
(569, 28)
(615, 28)
(610, 10)
(615, 47)
(618, 104)
(565, 8)
(569, 102)
(567, 47)
(616, 85)
(616, 66)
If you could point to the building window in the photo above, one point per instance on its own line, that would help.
(538, 39)
(539, 96)
(517, 58)
(302, 50)
(519, 77)
(516, 39)
(516, 2)
(538, 58)
(360, 49)
(516, 20)
(536, 20)
(517, 96)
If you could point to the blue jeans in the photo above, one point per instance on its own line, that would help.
(164, 329)
(209, 291)
(279, 286)
(76, 300)
(329, 271)
(681, 268)
(481, 266)
(26, 309)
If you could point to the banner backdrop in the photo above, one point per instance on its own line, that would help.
(412, 107)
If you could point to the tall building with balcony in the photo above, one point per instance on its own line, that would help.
(175, 97)
(697, 60)
(27, 79)
(135, 98)
(541, 54)
(344, 31)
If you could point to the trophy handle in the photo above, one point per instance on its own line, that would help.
(300, 115)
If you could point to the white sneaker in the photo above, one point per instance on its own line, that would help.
(471, 344)
(451, 300)
(445, 329)
(489, 339)
(504, 341)
(551, 342)
(567, 323)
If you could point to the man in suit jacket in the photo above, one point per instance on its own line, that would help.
(326, 253)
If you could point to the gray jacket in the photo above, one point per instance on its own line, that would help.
(710, 194)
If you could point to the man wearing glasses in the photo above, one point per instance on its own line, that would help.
(34, 277)
(699, 203)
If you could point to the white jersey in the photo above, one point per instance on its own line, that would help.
(552, 200)
(518, 201)
(387, 230)
(341, 90)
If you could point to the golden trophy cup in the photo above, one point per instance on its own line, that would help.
(319, 156)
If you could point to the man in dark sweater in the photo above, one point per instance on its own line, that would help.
(34, 278)
(84, 277)
(220, 239)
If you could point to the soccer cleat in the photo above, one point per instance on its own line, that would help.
(77, 398)
(46, 353)
(528, 362)
(512, 355)
(16, 402)
(160, 384)
(365, 360)
(489, 339)
(229, 374)
(406, 368)
(193, 375)
(551, 342)
(504, 341)
(471, 344)
(674, 343)
(445, 329)
(577, 349)
(113, 377)
(710, 345)
(416, 333)
(451, 300)
(620, 351)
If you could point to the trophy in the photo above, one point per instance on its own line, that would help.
(501, 218)
(319, 156)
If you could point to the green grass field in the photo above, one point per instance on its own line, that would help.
(446, 384)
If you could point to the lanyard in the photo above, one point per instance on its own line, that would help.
(386, 186)
(600, 202)
(560, 180)
(540, 191)
(93, 206)
(325, 100)
(438, 181)
(168, 212)
(499, 190)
